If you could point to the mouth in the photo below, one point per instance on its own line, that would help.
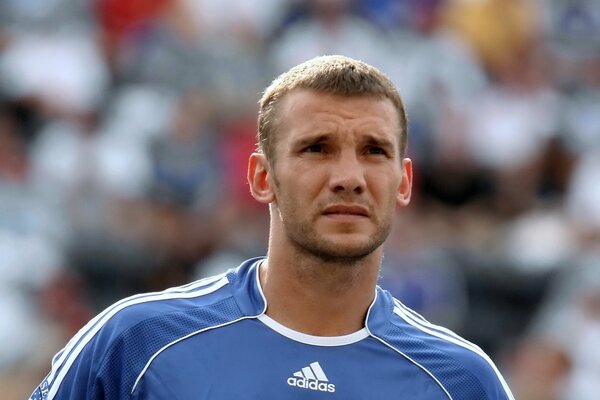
(346, 210)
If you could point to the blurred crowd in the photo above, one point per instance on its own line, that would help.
(125, 128)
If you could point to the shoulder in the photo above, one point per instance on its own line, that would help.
(149, 309)
(463, 369)
(109, 352)
(106, 357)
(145, 312)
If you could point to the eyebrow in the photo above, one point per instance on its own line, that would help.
(379, 141)
(371, 140)
(312, 139)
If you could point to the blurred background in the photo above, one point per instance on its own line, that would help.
(125, 128)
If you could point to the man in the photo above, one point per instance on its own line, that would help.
(307, 321)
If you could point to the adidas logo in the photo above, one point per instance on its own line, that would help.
(313, 378)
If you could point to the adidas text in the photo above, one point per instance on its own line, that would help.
(311, 384)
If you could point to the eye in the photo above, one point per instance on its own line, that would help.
(375, 150)
(314, 148)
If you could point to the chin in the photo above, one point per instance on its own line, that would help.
(333, 245)
(344, 249)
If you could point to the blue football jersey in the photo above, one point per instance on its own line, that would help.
(212, 340)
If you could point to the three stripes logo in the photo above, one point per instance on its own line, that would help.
(313, 378)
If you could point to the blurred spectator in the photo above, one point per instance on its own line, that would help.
(31, 256)
(177, 50)
(559, 359)
(64, 72)
(13, 156)
(118, 20)
(539, 242)
(43, 16)
(510, 128)
(538, 371)
(583, 197)
(167, 52)
(329, 27)
(185, 168)
(581, 109)
(571, 29)
(247, 21)
(500, 31)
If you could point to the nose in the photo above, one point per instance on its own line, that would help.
(347, 175)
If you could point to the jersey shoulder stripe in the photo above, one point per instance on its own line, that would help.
(416, 321)
(404, 312)
(413, 361)
(101, 318)
(122, 316)
(382, 335)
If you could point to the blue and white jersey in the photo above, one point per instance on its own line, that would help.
(212, 340)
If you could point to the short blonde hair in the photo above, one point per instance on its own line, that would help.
(336, 75)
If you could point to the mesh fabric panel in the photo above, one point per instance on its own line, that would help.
(129, 354)
(456, 379)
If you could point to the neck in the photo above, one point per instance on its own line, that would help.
(319, 297)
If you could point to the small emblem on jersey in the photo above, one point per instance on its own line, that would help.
(311, 377)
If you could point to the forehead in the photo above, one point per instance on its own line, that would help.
(307, 110)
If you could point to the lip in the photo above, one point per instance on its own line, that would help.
(346, 210)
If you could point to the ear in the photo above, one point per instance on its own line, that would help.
(405, 189)
(259, 178)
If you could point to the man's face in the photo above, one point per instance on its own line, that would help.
(338, 175)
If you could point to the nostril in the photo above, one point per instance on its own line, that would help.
(341, 188)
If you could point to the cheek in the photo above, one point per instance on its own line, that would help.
(291, 189)
(385, 192)
(305, 181)
(382, 183)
